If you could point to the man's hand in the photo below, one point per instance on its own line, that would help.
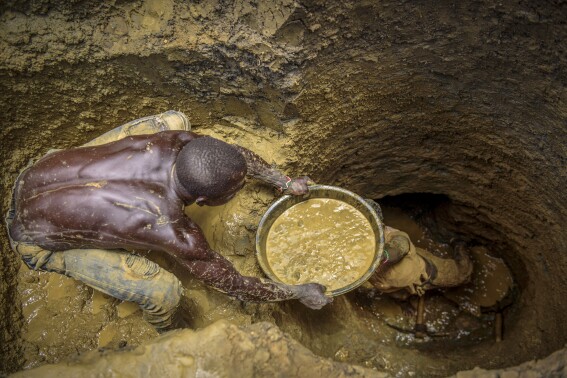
(298, 186)
(312, 295)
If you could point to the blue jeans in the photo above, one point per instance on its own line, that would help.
(123, 275)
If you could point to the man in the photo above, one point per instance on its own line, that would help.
(82, 211)
(406, 270)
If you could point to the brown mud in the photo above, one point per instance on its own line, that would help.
(465, 100)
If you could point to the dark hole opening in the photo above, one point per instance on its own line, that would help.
(463, 315)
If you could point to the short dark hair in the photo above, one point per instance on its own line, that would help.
(209, 167)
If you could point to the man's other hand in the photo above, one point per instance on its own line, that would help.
(298, 186)
(313, 295)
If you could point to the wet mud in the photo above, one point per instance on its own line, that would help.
(384, 99)
(63, 317)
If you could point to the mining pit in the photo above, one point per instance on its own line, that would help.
(451, 115)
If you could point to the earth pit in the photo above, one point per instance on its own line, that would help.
(464, 102)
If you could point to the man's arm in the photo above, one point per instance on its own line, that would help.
(258, 168)
(394, 251)
(192, 251)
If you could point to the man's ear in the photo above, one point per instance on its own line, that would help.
(201, 200)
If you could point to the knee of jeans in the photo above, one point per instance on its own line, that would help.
(176, 293)
(166, 289)
(171, 292)
(165, 294)
(162, 307)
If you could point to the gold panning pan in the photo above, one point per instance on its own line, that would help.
(321, 191)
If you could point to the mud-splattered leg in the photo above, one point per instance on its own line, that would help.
(121, 275)
(170, 120)
(130, 278)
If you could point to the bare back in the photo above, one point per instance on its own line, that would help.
(108, 196)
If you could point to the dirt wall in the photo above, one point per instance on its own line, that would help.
(464, 99)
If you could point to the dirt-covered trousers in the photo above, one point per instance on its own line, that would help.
(118, 273)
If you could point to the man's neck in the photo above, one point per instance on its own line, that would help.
(180, 189)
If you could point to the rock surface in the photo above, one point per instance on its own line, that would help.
(553, 366)
(220, 350)
(259, 350)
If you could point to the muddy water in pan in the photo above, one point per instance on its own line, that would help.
(321, 240)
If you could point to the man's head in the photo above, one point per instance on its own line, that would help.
(210, 170)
